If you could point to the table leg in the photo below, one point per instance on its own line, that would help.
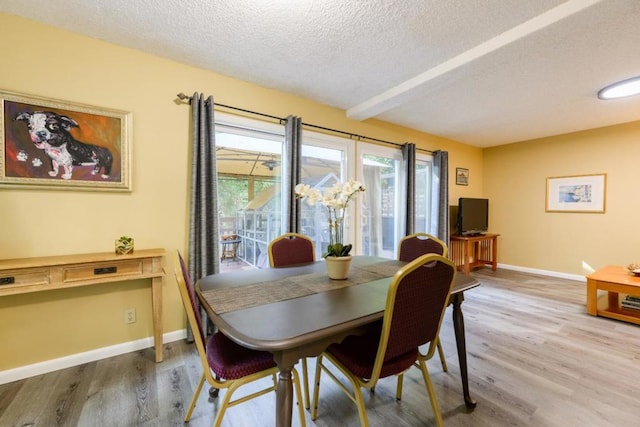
(592, 297)
(284, 397)
(156, 307)
(458, 327)
(494, 253)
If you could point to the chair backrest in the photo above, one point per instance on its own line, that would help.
(291, 249)
(416, 302)
(415, 245)
(191, 307)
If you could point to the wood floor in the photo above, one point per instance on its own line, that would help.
(535, 359)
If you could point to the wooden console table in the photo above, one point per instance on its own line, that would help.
(469, 252)
(617, 281)
(24, 275)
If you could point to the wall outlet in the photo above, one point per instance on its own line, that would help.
(130, 315)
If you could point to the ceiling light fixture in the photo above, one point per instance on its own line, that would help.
(621, 89)
(270, 164)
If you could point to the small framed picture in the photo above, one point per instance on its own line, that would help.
(579, 193)
(462, 176)
(52, 144)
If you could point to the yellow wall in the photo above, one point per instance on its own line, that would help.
(44, 61)
(515, 182)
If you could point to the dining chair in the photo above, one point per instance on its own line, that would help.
(288, 250)
(415, 245)
(416, 301)
(225, 364)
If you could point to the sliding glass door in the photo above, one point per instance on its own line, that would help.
(249, 159)
(249, 156)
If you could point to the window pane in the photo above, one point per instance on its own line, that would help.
(423, 196)
(382, 204)
(232, 196)
(321, 168)
(249, 189)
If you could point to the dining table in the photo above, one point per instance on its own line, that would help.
(298, 311)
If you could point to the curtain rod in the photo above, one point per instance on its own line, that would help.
(282, 120)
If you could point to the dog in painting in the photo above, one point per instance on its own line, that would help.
(51, 132)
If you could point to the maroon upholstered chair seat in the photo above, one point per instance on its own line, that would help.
(231, 361)
(358, 354)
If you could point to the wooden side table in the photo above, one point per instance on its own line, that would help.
(24, 275)
(469, 252)
(617, 282)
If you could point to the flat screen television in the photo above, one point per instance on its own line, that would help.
(473, 216)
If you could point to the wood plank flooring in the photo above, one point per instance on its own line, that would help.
(535, 359)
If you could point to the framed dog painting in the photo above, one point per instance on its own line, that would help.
(53, 144)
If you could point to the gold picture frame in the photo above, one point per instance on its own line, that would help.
(577, 194)
(52, 144)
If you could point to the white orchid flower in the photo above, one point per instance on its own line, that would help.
(336, 198)
(302, 190)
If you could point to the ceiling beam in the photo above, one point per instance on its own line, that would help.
(397, 95)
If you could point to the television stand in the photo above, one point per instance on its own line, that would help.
(469, 252)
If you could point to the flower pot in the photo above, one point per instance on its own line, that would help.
(338, 267)
(124, 247)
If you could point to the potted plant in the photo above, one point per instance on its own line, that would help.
(336, 199)
(124, 245)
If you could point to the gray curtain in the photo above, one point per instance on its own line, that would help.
(409, 163)
(440, 196)
(204, 251)
(291, 175)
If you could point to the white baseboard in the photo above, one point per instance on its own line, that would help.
(40, 368)
(568, 276)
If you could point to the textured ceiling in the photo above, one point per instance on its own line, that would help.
(483, 72)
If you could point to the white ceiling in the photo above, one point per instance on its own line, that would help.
(483, 72)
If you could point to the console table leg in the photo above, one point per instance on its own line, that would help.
(156, 307)
(458, 327)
